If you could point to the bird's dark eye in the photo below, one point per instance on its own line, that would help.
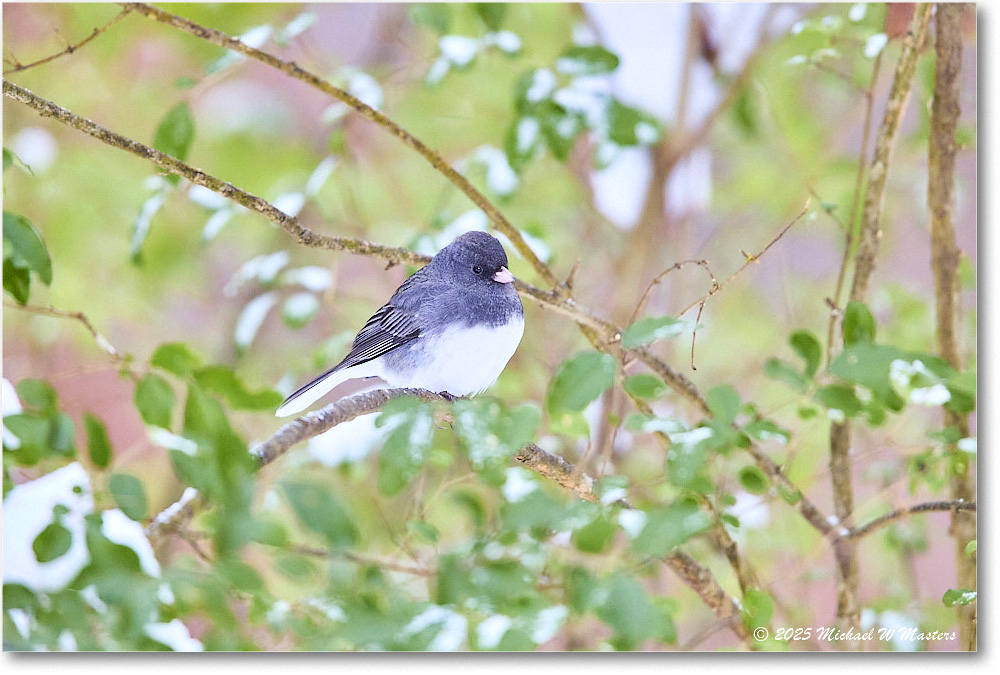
(477, 269)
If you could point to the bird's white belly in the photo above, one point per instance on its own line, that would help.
(463, 361)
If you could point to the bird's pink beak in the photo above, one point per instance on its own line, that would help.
(503, 276)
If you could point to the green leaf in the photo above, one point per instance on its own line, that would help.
(579, 380)
(128, 495)
(222, 380)
(753, 480)
(724, 403)
(954, 597)
(766, 430)
(154, 399)
(492, 435)
(24, 247)
(491, 13)
(37, 394)
(51, 542)
(859, 324)
(629, 613)
(757, 608)
(653, 328)
(970, 548)
(645, 385)
(436, 16)
(98, 443)
(776, 369)
(16, 281)
(405, 450)
(10, 159)
(175, 134)
(61, 434)
(745, 113)
(586, 60)
(176, 358)
(596, 536)
(807, 346)
(669, 527)
(839, 397)
(320, 512)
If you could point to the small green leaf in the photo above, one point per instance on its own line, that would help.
(16, 281)
(176, 358)
(757, 608)
(491, 13)
(175, 134)
(596, 536)
(128, 494)
(970, 548)
(669, 527)
(745, 113)
(776, 369)
(321, 513)
(807, 346)
(10, 159)
(98, 443)
(645, 385)
(51, 542)
(839, 397)
(859, 324)
(586, 60)
(579, 380)
(405, 450)
(954, 597)
(24, 247)
(37, 394)
(653, 328)
(724, 403)
(154, 399)
(753, 480)
(222, 380)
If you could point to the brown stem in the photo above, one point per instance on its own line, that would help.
(945, 257)
(957, 506)
(869, 235)
(294, 70)
(18, 67)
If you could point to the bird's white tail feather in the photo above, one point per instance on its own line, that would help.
(321, 386)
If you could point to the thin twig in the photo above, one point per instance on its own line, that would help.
(748, 260)
(927, 507)
(19, 67)
(294, 70)
(123, 362)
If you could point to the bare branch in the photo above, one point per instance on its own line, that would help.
(945, 256)
(898, 514)
(120, 360)
(292, 69)
(70, 48)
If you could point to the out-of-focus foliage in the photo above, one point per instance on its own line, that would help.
(418, 530)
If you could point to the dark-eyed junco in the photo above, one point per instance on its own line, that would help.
(451, 328)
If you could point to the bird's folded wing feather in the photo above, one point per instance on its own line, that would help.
(390, 327)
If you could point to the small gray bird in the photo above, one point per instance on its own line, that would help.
(450, 328)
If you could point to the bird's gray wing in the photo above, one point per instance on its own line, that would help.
(390, 327)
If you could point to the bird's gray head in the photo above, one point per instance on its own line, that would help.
(475, 257)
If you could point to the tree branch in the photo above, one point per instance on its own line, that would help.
(845, 552)
(19, 67)
(292, 69)
(927, 507)
(122, 361)
(945, 257)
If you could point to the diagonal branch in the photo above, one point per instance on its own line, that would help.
(294, 70)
